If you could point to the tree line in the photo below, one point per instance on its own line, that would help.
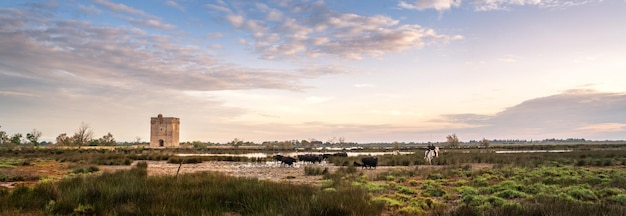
(82, 137)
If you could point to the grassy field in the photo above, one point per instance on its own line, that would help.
(591, 180)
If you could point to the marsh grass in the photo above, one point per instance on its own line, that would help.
(511, 189)
(603, 157)
(314, 171)
(132, 192)
(575, 183)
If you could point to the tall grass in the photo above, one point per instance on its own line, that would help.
(132, 192)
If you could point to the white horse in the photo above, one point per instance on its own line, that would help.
(430, 155)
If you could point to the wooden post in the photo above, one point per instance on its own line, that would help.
(179, 165)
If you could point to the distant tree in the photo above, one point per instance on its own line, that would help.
(315, 142)
(236, 143)
(286, 144)
(64, 140)
(33, 137)
(453, 141)
(306, 145)
(396, 145)
(485, 143)
(4, 137)
(342, 142)
(107, 140)
(137, 140)
(198, 144)
(93, 142)
(331, 140)
(83, 136)
(16, 139)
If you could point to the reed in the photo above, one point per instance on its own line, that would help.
(132, 192)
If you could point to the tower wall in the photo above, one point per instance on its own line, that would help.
(164, 132)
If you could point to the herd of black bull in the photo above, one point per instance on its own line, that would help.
(367, 162)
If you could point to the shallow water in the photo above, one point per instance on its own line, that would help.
(293, 154)
(533, 151)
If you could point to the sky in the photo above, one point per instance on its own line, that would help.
(361, 70)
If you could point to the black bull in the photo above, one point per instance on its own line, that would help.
(288, 160)
(368, 162)
(284, 160)
(311, 158)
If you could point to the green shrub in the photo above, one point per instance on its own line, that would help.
(370, 186)
(389, 202)
(432, 188)
(582, 193)
(504, 185)
(480, 182)
(496, 201)
(473, 200)
(83, 170)
(326, 183)
(511, 194)
(538, 187)
(618, 199)
(460, 182)
(607, 192)
(406, 190)
(410, 210)
(435, 176)
(313, 171)
(469, 196)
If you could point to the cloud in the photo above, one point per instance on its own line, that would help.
(120, 7)
(141, 18)
(123, 73)
(16, 94)
(490, 5)
(439, 5)
(151, 23)
(221, 8)
(174, 5)
(313, 30)
(46, 51)
(509, 59)
(213, 35)
(574, 113)
(604, 127)
(314, 130)
(236, 20)
(48, 5)
(89, 10)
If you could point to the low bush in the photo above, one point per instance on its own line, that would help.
(82, 170)
(313, 171)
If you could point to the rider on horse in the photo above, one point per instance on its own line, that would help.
(432, 147)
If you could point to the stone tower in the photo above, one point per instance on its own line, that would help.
(164, 132)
